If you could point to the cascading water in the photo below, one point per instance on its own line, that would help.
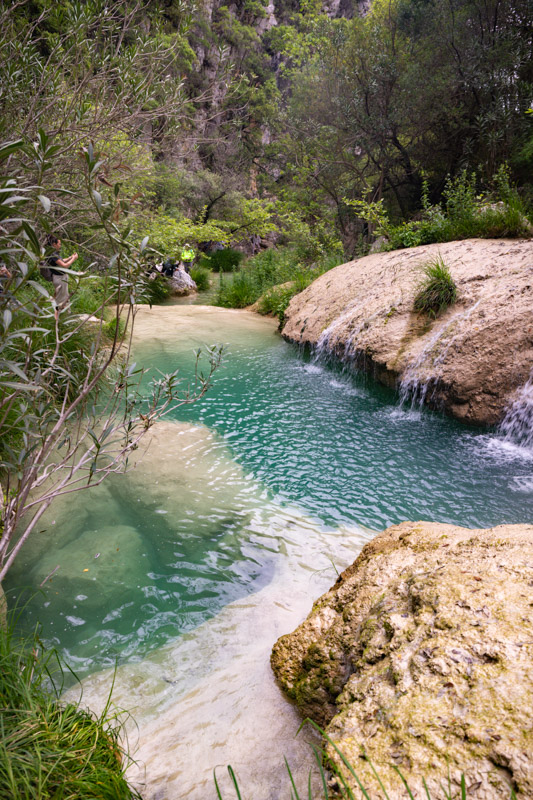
(414, 385)
(517, 425)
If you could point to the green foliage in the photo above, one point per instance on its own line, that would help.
(50, 749)
(276, 300)
(201, 276)
(270, 269)
(167, 235)
(90, 294)
(155, 291)
(437, 291)
(114, 328)
(223, 260)
(463, 214)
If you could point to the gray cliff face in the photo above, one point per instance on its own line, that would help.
(421, 656)
(471, 361)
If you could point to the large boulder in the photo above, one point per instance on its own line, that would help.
(420, 658)
(469, 361)
(181, 283)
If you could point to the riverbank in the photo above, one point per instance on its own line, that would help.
(469, 361)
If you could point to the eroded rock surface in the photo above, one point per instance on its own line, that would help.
(470, 361)
(421, 656)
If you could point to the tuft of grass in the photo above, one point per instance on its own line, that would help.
(111, 327)
(201, 277)
(438, 290)
(49, 749)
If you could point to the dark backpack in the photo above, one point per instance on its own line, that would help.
(46, 272)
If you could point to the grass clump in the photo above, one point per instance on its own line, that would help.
(50, 750)
(340, 781)
(201, 277)
(110, 328)
(438, 290)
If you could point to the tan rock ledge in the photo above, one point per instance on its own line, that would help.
(421, 657)
(471, 360)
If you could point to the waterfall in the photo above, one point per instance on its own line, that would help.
(517, 425)
(414, 386)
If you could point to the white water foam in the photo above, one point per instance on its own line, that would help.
(415, 384)
(522, 484)
(517, 425)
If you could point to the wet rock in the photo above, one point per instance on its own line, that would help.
(470, 361)
(420, 657)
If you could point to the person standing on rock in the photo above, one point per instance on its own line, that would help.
(59, 279)
(187, 257)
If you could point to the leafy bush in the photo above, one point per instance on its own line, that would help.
(48, 748)
(201, 277)
(463, 214)
(223, 260)
(155, 291)
(437, 291)
(238, 292)
(270, 269)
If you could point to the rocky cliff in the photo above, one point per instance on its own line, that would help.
(420, 658)
(470, 361)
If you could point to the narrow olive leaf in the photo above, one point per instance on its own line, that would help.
(39, 288)
(32, 236)
(144, 243)
(8, 316)
(97, 197)
(45, 202)
(25, 387)
(10, 147)
(12, 367)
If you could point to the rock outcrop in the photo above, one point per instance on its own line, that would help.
(420, 657)
(470, 361)
(181, 283)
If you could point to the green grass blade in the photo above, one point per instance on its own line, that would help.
(318, 757)
(296, 795)
(406, 784)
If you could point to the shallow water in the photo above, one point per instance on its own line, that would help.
(186, 570)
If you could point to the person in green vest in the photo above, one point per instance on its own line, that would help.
(187, 257)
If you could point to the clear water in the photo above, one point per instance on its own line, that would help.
(149, 556)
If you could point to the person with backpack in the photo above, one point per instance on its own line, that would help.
(58, 278)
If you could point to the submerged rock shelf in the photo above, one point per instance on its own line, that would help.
(470, 361)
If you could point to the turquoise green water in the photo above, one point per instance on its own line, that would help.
(148, 556)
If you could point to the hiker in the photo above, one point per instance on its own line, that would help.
(187, 257)
(168, 267)
(59, 279)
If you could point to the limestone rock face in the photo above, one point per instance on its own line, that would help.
(421, 656)
(470, 361)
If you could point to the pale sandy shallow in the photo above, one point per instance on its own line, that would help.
(208, 698)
